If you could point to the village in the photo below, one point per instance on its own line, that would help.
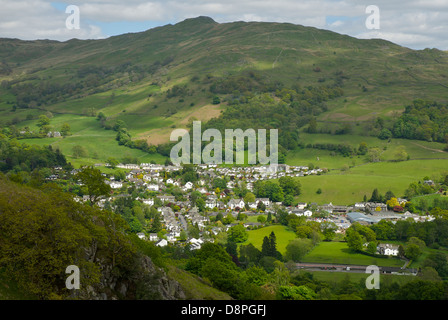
(177, 215)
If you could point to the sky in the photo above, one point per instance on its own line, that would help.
(416, 24)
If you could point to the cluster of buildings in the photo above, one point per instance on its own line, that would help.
(153, 177)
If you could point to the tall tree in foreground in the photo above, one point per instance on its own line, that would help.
(269, 247)
(94, 182)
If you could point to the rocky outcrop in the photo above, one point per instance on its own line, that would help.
(145, 282)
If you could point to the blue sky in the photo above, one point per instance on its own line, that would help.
(415, 23)
(114, 28)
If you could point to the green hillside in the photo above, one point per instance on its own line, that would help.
(132, 71)
(163, 78)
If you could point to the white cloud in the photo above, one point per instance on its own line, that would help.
(38, 19)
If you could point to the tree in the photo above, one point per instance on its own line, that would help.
(295, 293)
(312, 125)
(374, 155)
(237, 233)
(43, 120)
(420, 243)
(376, 197)
(249, 255)
(219, 217)
(256, 275)
(412, 251)
(79, 152)
(101, 116)
(389, 195)
(94, 181)
(328, 230)
(249, 197)
(297, 249)
(294, 221)
(304, 231)
(392, 202)
(183, 235)
(42, 231)
(354, 239)
(269, 246)
(219, 183)
(289, 185)
(280, 275)
(289, 200)
(438, 261)
(362, 149)
(269, 189)
(216, 100)
(112, 162)
(371, 247)
(401, 154)
(269, 218)
(156, 224)
(119, 124)
(385, 134)
(65, 129)
(282, 217)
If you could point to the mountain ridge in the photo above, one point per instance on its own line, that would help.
(160, 78)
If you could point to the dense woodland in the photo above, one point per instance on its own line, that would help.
(423, 120)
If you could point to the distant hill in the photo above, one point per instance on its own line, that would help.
(162, 78)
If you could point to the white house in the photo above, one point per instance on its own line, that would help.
(211, 203)
(149, 202)
(187, 186)
(360, 205)
(301, 205)
(307, 213)
(253, 205)
(167, 198)
(153, 187)
(162, 243)
(299, 212)
(116, 184)
(195, 243)
(202, 190)
(265, 201)
(153, 237)
(387, 249)
(170, 237)
(230, 184)
(233, 203)
(141, 235)
(53, 134)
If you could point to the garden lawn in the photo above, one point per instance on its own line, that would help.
(339, 253)
(282, 233)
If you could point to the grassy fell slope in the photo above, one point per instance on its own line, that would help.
(138, 69)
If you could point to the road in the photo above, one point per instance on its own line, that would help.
(348, 268)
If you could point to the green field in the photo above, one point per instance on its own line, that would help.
(348, 187)
(339, 253)
(416, 150)
(284, 236)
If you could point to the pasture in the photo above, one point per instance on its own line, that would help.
(282, 233)
(339, 253)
